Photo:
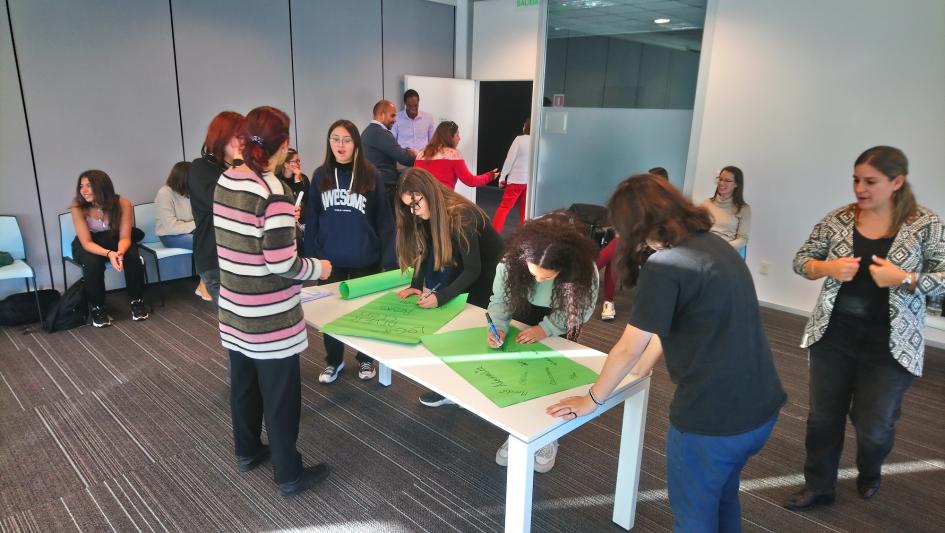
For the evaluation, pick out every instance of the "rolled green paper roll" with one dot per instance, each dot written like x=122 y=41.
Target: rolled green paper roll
x=354 y=288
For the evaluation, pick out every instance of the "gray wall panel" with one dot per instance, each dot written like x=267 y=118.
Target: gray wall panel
x=99 y=83
x=654 y=77
x=230 y=58
x=17 y=184
x=418 y=40
x=622 y=78
x=337 y=49
x=587 y=64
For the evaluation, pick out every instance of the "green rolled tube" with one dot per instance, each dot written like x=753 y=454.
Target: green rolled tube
x=354 y=288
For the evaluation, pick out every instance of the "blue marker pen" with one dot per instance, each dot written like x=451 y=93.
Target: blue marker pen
x=431 y=291
x=495 y=332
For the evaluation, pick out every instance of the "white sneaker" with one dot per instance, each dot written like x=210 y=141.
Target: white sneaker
x=366 y=371
x=544 y=457
x=608 y=312
x=331 y=373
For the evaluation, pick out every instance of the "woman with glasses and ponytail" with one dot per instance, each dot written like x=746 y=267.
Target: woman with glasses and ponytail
x=348 y=222
x=880 y=257
x=441 y=159
x=261 y=321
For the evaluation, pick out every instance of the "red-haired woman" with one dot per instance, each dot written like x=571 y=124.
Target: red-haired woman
x=220 y=151
x=261 y=322
x=696 y=304
x=102 y=222
x=443 y=160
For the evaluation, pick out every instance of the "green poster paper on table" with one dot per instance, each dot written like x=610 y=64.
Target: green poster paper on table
x=389 y=318
x=509 y=375
x=354 y=288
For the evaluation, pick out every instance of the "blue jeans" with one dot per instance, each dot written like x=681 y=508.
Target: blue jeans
x=185 y=240
x=703 y=474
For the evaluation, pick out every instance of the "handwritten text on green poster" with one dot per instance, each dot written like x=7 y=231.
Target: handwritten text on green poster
x=389 y=318
x=514 y=374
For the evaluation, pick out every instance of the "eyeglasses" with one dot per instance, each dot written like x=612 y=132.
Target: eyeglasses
x=415 y=202
x=724 y=180
x=294 y=161
x=340 y=140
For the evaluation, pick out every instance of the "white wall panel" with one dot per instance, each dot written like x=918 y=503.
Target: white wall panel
x=230 y=56
x=337 y=49
x=17 y=184
x=100 y=93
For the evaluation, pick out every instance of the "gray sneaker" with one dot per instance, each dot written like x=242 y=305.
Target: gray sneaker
x=330 y=373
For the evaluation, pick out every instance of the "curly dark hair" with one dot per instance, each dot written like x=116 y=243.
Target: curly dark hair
x=555 y=242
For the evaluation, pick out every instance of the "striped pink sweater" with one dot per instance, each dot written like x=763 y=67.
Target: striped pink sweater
x=260 y=314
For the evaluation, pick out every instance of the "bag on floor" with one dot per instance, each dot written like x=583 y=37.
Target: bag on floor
x=72 y=310
x=19 y=309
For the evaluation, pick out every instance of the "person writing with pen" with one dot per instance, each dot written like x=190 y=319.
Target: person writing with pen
x=548 y=280
x=449 y=243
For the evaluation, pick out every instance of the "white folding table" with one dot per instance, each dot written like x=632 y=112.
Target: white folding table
x=527 y=424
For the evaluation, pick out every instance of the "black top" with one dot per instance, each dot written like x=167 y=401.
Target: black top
x=861 y=297
x=297 y=187
x=201 y=181
x=700 y=299
x=474 y=270
x=381 y=149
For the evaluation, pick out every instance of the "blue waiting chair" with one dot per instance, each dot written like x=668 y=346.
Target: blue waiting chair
x=66 y=236
x=11 y=240
x=145 y=220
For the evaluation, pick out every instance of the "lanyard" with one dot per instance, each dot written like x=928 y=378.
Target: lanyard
x=338 y=186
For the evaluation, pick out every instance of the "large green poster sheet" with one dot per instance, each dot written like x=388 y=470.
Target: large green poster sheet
x=389 y=318
x=512 y=374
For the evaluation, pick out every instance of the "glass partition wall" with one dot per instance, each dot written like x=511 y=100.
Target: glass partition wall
x=618 y=85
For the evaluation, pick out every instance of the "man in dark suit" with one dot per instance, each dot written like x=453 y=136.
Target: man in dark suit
x=382 y=150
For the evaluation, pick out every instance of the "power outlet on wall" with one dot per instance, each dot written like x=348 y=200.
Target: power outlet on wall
x=763 y=268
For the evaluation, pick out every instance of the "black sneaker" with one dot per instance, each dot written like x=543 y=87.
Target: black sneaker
x=138 y=310
x=249 y=462
x=310 y=477
x=100 y=318
x=432 y=399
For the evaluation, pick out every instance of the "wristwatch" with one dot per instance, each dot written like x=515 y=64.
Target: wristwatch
x=906 y=281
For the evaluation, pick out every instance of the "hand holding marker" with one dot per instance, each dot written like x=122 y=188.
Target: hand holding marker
x=429 y=292
x=495 y=332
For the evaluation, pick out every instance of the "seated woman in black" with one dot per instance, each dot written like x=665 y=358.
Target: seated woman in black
x=102 y=222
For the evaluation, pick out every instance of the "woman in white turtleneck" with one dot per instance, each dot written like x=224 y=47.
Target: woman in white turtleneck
x=730 y=213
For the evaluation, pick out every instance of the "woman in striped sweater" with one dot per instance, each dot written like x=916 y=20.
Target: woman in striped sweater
x=261 y=322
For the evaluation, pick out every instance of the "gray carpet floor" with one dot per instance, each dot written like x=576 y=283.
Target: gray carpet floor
x=127 y=429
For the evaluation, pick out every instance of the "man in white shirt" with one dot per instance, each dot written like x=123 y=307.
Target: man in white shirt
x=413 y=128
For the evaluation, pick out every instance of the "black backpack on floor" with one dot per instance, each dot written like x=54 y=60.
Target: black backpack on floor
x=19 y=309
x=71 y=311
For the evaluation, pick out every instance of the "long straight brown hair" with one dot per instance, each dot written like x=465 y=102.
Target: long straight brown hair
x=892 y=163
x=449 y=214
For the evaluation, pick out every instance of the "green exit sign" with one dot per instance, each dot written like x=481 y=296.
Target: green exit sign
x=523 y=3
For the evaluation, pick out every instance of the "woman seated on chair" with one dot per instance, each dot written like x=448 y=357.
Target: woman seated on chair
x=102 y=222
x=443 y=160
x=730 y=214
x=174 y=223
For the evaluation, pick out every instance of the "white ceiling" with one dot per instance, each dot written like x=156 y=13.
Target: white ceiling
x=569 y=18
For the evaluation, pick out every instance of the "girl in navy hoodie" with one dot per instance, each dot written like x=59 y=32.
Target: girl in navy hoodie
x=348 y=222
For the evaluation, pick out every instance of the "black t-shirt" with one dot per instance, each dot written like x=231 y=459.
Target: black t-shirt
x=201 y=182
x=700 y=299
x=861 y=297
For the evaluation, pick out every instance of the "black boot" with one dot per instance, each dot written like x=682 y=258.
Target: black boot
x=309 y=478
x=867 y=487
x=249 y=462
x=805 y=499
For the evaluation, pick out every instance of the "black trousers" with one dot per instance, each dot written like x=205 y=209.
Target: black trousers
x=93 y=267
x=270 y=388
x=334 y=348
x=852 y=372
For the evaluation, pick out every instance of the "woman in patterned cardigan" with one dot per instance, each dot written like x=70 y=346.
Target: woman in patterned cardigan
x=881 y=256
